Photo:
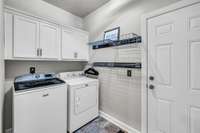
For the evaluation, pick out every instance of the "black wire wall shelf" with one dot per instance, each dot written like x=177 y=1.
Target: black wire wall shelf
x=126 y=39
x=136 y=65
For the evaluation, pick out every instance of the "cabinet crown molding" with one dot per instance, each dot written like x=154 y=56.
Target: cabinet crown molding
x=47 y=19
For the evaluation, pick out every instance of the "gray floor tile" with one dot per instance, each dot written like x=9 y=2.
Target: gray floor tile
x=99 y=125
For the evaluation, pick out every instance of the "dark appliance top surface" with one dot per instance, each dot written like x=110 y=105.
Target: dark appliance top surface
x=33 y=81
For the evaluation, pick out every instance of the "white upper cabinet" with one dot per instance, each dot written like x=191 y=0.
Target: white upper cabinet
x=33 y=38
x=8 y=26
x=82 y=46
x=25 y=37
x=74 y=45
x=68 y=46
x=49 y=41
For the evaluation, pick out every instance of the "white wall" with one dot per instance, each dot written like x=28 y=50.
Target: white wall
x=17 y=68
x=123 y=13
x=44 y=9
x=1 y=65
x=120 y=96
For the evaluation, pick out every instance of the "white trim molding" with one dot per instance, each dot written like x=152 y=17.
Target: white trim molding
x=144 y=33
x=118 y=123
x=13 y=10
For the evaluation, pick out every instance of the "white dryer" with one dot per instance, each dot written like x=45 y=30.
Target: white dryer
x=83 y=99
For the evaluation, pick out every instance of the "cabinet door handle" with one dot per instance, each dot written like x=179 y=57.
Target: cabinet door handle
x=86 y=85
x=75 y=55
x=45 y=95
x=38 y=54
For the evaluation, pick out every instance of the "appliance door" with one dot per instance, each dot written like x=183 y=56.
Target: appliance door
x=83 y=104
x=85 y=98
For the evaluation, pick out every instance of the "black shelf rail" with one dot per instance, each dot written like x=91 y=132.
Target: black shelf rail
x=136 y=65
x=124 y=41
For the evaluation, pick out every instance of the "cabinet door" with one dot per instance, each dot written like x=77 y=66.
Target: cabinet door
x=49 y=42
x=74 y=45
x=82 y=46
x=69 y=50
x=25 y=37
x=8 y=24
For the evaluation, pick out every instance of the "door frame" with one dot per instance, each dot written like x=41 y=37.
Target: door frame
x=144 y=33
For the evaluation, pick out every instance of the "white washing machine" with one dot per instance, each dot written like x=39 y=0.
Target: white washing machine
x=83 y=99
x=39 y=104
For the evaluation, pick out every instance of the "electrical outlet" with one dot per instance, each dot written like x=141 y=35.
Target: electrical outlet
x=32 y=70
x=129 y=73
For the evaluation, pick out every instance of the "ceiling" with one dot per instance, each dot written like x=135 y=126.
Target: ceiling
x=79 y=8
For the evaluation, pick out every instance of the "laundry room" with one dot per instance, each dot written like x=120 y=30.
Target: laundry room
x=99 y=66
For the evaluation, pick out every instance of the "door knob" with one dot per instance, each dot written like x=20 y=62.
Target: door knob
x=151 y=78
x=152 y=87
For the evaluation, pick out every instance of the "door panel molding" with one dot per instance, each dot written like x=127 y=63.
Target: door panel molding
x=164 y=29
x=164 y=125
x=193 y=119
x=194 y=65
x=166 y=74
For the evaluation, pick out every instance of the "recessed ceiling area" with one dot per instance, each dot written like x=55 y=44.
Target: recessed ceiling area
x=79 y=8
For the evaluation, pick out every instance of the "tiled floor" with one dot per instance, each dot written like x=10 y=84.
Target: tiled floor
x=100 y=125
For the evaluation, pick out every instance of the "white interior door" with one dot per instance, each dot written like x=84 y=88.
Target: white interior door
x=174 y=64
x=25 y=37
x=49 y=42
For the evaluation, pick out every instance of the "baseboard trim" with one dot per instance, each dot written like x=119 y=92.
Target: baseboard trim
x=118 y=123
x=8 y=130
